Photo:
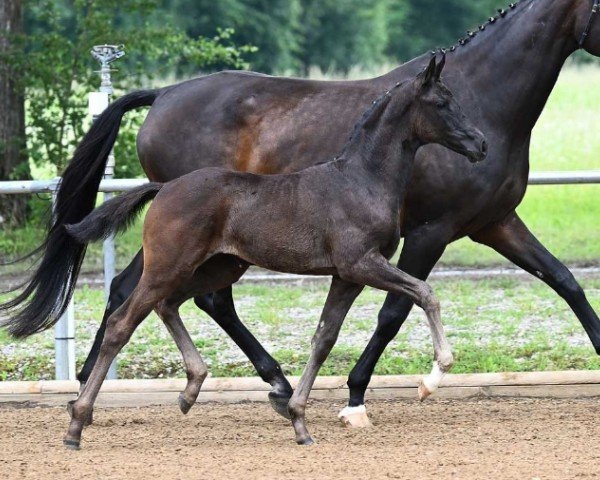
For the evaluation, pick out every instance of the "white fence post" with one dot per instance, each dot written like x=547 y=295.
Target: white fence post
x=64 y=332
x=106 y=54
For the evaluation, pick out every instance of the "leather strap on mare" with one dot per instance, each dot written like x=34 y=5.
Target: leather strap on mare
x=586 y=32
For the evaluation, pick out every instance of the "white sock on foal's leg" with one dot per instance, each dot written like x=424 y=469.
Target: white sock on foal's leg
x=431 y=382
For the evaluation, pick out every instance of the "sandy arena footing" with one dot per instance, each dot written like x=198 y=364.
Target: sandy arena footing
x=477 y=438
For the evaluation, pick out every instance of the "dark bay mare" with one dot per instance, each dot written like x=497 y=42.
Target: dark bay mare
x=337 y=218
x=502 y=76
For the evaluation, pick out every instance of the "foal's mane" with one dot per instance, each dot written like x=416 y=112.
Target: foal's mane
x=371 y=114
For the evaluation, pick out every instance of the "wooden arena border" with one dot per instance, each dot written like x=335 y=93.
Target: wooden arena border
x=115 y=393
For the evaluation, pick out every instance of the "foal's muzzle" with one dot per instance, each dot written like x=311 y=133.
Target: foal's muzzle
x=480 y=154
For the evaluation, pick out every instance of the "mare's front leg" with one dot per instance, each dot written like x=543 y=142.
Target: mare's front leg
x=339 y=300
x=374 y=270
x=221 y=308
x=196 y=370
x=512 y=239
x=421 y=250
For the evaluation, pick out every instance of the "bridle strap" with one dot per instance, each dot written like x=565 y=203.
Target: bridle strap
x=586 y=32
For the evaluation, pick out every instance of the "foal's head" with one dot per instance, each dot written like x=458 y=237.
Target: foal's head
x=436 y=116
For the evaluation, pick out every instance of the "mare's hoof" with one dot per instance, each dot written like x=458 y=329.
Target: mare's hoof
x=280 y=405
x=88 y=421
x=71 y=444
x=424 y=392
x=354 y=417
x=306 y=441
x=184 y=405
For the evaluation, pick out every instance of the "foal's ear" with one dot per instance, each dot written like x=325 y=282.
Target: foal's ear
x=440 y=67
x=429 y=74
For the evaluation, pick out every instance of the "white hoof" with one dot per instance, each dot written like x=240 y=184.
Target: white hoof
x=355 y=417
x=431 y=382
x=424 y=392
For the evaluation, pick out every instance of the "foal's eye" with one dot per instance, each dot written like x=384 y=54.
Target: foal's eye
x=441 y=104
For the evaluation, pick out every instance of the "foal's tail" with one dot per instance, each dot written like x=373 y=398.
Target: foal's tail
x=114 y=216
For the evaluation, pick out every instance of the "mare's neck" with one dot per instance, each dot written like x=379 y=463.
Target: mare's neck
x=512 y=66
x=506 y=73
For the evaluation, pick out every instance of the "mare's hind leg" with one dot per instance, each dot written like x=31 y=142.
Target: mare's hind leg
x=339 y=300
x=221 y=308
x=195 y=367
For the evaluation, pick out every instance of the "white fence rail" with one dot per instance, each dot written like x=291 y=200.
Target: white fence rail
x=121 y=185
x=65 y=328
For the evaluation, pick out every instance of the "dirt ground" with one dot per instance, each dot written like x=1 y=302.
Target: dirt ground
x=479 y=439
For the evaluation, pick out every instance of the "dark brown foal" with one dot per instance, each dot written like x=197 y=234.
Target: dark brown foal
x=339 y=218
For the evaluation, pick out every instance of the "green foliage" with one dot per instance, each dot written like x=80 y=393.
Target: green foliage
x=339 y=34
x=273 y=26
x=58 y=67
x=419 y=25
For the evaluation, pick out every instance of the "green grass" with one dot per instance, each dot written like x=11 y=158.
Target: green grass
x=565 y=218
x=493 y=325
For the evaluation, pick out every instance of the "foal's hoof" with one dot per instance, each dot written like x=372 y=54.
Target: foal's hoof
x=184 y=405
x=71 y=444
x=280 y=404
x=354 y=417
x=305 y=441
x=88 y=421
x=424 y=392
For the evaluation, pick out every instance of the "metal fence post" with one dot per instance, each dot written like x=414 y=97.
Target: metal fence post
x=64 y=332
x=106 y=54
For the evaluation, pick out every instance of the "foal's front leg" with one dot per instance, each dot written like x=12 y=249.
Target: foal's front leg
x=339 y=300
x=374 y=270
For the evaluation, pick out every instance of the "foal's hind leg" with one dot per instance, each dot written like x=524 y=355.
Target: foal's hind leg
x=339 y=300
x=195 y=367
x=120 y=327
x=374 y=270
x=120 y=289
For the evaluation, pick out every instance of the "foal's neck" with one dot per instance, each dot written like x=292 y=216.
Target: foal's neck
x=382 y=154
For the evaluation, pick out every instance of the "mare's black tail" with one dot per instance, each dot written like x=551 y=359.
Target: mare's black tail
x=47 y=293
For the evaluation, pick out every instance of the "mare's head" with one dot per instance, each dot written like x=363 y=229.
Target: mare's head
x=586 y=25
x=436 y=116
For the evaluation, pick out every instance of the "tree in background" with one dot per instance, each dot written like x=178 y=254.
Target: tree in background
x=60 y=70
x=273 y=26
x=293 y=35
x=340 y=34
x=416 y=26
x=13 y=160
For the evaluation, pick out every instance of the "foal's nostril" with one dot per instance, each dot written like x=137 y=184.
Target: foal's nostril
x=484 y=147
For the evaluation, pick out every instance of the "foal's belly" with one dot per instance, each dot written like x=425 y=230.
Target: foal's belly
x=284 y=251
